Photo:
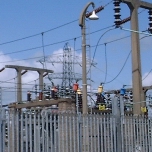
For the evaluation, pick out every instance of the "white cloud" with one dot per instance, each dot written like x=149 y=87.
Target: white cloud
x=147 y=79
x=8 y=88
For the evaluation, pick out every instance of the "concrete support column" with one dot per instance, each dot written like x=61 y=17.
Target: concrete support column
x=40 y=79
x=19 y=85
x=67 y=106
x=12 y=131
x=136 y=65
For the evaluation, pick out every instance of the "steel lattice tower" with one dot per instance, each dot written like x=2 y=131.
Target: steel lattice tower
x=67 y=80
x=68 y=60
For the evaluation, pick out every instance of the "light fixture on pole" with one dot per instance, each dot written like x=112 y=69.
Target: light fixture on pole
x=93 y=16
x=83 y=33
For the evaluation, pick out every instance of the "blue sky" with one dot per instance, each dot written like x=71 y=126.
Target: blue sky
x=20 y=19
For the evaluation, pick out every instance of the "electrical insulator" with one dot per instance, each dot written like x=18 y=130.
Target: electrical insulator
x=125 y=96
x=108 y=97
x=55 y=93
x=28 y=96
x=67 y=91
x=100 y=89
x=52 y=93
x=47 y=95
x=75 y=86
x=80 y=100
x=40 y=95
x=98 y=99
x=131 y=96
x=44 y=86
x=117 y=13
x=79 y=91
x=150 y=20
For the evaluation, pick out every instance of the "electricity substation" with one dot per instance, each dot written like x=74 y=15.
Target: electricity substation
x=68 y=116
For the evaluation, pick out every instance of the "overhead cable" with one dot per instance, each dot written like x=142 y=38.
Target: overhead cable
x=38 y=33
x=120 y=70
x=62 y=41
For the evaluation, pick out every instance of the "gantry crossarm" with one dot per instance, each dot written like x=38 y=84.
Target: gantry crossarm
x=141 y=4
x=28 y=68
x=145 y=5
x=59 y=59
x=19 y=74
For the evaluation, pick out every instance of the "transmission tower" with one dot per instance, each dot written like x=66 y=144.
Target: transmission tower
x=68 y=60
x=68 y=75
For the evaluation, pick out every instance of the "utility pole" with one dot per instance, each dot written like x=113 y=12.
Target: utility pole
x=138 y=94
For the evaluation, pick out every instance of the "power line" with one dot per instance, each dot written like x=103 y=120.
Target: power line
x=62 y=41
x=15 y=83
x=107 y=74
x=40 y=46
x=97 y=46
x=23 y=59
x=146 y=75
x=38 y=33
x=34 y=35
x=108 y=42
x=120 y=70
x=105 y=62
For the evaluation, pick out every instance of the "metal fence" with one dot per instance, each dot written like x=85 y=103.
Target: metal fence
x=36 y=131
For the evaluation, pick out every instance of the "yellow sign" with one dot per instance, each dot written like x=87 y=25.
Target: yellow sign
x=143 y=109
x=102 y=107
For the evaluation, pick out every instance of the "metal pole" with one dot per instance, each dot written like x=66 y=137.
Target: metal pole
x=84 y=81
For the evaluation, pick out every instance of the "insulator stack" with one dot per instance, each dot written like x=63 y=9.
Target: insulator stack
x=117 y=13
x=80 y=100
x=40 y=95
x=28 y=96
x=131 y=96
x=150 y=20
x=47 y=94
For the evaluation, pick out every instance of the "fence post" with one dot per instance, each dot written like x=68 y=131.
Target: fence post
x=2 y=130
x=116 y=114
x=122 y=121
x=1 y=133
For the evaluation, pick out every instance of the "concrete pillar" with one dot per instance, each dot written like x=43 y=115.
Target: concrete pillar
x=64 y=120
x=19 y=85
x=12 y=131
x=136 y=61
x=40 y=79
x=67 y=106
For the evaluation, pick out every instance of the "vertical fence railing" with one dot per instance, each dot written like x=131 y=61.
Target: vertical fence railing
x=34 y=131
